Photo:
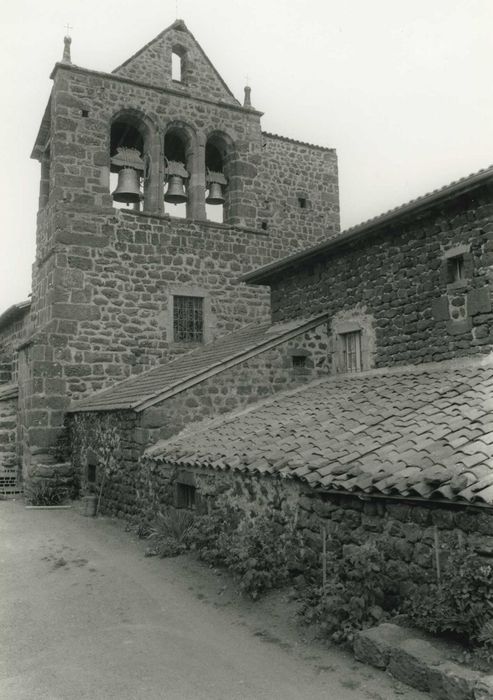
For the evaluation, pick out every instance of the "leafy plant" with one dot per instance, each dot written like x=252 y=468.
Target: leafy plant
x=171 y=533
x=353 y=597
x=46 y=493
x=461 y=604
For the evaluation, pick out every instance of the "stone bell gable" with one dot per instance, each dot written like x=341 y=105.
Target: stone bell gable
x=176 y=48
x=158 y=190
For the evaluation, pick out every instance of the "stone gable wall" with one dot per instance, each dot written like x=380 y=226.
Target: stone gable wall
x=398 y=282
x=153 y=66
x=232 y=389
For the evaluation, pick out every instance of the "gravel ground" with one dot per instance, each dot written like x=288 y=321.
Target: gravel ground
x=83 y=614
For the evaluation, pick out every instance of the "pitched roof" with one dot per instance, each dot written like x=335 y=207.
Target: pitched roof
x=164 y=381
x=411 y=208
x=417 y=432
x=8 y=391
x=14 y=312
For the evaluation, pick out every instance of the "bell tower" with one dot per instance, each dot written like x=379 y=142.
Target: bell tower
x=158 y=190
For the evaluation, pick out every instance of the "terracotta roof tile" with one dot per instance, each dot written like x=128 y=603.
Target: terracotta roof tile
x=421 y=431
x=165 y=380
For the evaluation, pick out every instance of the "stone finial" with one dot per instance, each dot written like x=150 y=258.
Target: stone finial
x=247 y=101
x=67 y=40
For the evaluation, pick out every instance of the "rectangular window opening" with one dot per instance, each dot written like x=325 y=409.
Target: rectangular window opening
x=299 y=361
x=185 y=496
x=188 y=319
x=351 y=351
x=302 y=202
x=455 y=269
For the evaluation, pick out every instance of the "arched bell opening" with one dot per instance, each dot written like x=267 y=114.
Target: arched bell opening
x=128 y=162
x=219 y=160
x=177 y=169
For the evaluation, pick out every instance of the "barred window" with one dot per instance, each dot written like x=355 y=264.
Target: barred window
x=351 y=351
x=188 y=319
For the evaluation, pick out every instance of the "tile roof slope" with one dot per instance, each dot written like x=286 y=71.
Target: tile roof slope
x=421 y=432
x=135 y=391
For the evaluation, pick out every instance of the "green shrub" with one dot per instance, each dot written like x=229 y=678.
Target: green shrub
x=46 y=493
x=171 y=532
x=461 y=604
x=354 y=596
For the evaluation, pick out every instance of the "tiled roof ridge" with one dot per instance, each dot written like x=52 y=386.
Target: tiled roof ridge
x=422 y=199
x=285 y=330
x=423 y=368
x=365 y=227
x=301 y=143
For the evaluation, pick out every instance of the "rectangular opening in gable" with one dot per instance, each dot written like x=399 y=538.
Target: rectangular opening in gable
x=455 y=269
x=176 y=67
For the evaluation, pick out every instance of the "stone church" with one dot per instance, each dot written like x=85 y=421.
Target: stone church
x=158 y=191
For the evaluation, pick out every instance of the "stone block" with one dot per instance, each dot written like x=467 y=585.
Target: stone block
x=410 y=662
x=479 y=301
x=450 y=681
x=374 y=646
x=459 y=327
x=483 y=690
x=440 y=309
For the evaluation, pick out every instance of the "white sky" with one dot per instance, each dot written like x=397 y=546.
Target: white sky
x=402 y=88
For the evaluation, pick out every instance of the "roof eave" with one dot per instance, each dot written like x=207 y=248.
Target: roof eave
x=355 y=233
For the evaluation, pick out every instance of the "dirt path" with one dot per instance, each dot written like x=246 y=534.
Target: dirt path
x=83 y=614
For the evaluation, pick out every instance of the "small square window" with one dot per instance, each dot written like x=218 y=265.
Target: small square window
x=188 y=319
x=302 y=202
x=185 y=496
x=455 y=269
x=351 y=351
x=85 y=112
x=299 y=361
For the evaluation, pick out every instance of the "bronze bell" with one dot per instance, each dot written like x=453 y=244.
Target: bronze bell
x=127 y=189
x=215 y=195
x=175 y=193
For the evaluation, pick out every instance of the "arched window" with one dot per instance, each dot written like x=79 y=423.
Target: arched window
x=127 y=162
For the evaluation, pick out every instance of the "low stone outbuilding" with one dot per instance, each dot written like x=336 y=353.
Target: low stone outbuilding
x=240 y=368
x=399 y=456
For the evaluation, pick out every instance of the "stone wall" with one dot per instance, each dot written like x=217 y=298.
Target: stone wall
x=8 y=444
x=404 y=532
x=397 y=280
x=232 y=389
x=301 y=189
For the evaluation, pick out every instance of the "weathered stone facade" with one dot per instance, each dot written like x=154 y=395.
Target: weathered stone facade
x=396 y=278
x=8 y=440
x=230 y=390
x=104 y=278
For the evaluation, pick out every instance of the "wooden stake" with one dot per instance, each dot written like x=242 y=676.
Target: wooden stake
x=437 y=552
x=324 y=558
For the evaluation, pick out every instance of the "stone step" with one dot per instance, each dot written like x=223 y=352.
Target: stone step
x=421 y=662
